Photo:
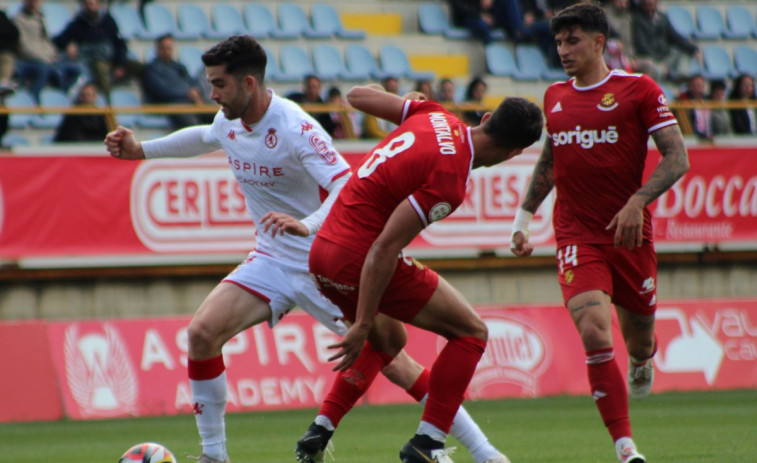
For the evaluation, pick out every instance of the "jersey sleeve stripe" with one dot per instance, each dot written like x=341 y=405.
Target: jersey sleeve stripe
x=661 y=125
x=418 y=210
x=341 y=174
x=405 y=109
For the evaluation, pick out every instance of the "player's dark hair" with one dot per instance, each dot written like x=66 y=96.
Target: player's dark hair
x=516 y=123
x=588 y=15
x=240 y=54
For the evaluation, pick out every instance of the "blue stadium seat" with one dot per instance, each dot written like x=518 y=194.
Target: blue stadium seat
x=261 y=24
x=500 y=61
x=325 y=19
x=531 y=62
x=11 y=140
x=294 y=63
x=717 y=63
x=329 y=65
x=358 y=58
x=20 y=99
x=129 y=22
x=740 y=23
x=193 y=20
x=227 y=19
x=191 y=57
x=433 y=20
x=394 y=62
x=50 y=98
x=159 y=20
x=292 y=19
x=745 y=60
x=56 y=17
x=682 y=21
x=710 y=22
x=123 y=98
x=272 y=71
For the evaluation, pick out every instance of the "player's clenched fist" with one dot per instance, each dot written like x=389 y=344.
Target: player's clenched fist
x=121 y=144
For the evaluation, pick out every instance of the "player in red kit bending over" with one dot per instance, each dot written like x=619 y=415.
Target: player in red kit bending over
x=598 y=125
x=415 y=176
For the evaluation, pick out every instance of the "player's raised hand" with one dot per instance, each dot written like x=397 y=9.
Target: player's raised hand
x=122 y=144
x=520 y=246
x=279 y=223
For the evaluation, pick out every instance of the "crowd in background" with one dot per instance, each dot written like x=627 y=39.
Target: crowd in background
x=89 y=51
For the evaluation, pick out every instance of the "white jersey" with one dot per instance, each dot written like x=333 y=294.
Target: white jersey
x=281 y=163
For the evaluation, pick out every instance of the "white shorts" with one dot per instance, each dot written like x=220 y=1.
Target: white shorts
x=286 y=285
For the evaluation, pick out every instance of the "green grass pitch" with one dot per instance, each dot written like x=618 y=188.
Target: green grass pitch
x=691 y=427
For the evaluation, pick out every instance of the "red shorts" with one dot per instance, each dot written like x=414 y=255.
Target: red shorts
x=629 y=277
x=336 y=271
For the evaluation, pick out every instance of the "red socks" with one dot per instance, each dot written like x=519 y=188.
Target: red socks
x=450 y=376
x=420 y=387
x=609 y=391
x=350 y=385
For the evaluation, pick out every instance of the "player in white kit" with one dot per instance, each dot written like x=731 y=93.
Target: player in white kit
x=282 y=160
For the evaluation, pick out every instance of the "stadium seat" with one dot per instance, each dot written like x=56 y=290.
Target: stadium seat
x=129 y=22
x=20 y=99
x=329 y=65
x=500 y=61
x=193 y=20
x=191 y=57
x=11 y=140
x=325 y=19
x=682 y=21
x=433 y=20
x=227 y=19
x=294 y=63
x=394 y=62
x=159 y=20
x=123 y=98
x=56 y=17
x=261 y=24
x=531 y=62
x=710 y=22
x=717 y=63
x=292 y=19
x=50 y=98
x=740 y=23
x=358 y=58
x=745 y=60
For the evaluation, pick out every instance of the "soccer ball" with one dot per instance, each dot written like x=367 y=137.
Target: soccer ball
x=147 y=452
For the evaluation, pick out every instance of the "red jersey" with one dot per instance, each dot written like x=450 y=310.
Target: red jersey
x=427 y=159
x=599 y=137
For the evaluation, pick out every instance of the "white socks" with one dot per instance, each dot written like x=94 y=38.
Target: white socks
x=209 y=398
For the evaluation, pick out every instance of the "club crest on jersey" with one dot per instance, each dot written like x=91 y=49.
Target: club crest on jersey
x=271 y=140
x=608 y=103
x=322 y=149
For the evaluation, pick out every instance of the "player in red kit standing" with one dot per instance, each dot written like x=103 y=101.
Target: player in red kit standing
x=598 y=126
x=417 y=175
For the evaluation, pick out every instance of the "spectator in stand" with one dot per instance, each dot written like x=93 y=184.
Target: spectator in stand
x=474 y=94
x=535 y=27
x=654 y=38
x=425 y=87
x=92 y=37
x=700 y=118
x=39 y=61
x=335 y=98
x=8 y=41
x=743 y=120
x=480 y=17
x=619 y=53
x=167 y=81
x=374 y=127
x=83 y=127
x=446 y=91
x=311 y=94
x=721 y=123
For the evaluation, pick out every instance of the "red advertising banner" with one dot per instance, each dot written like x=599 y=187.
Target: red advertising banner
x=118 y=368
x=79 y=207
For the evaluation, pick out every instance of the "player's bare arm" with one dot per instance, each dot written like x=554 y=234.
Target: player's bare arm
x=374 y=100
x=403 y=225
x=542 y=182
x=629 y=221
x=121 y=144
